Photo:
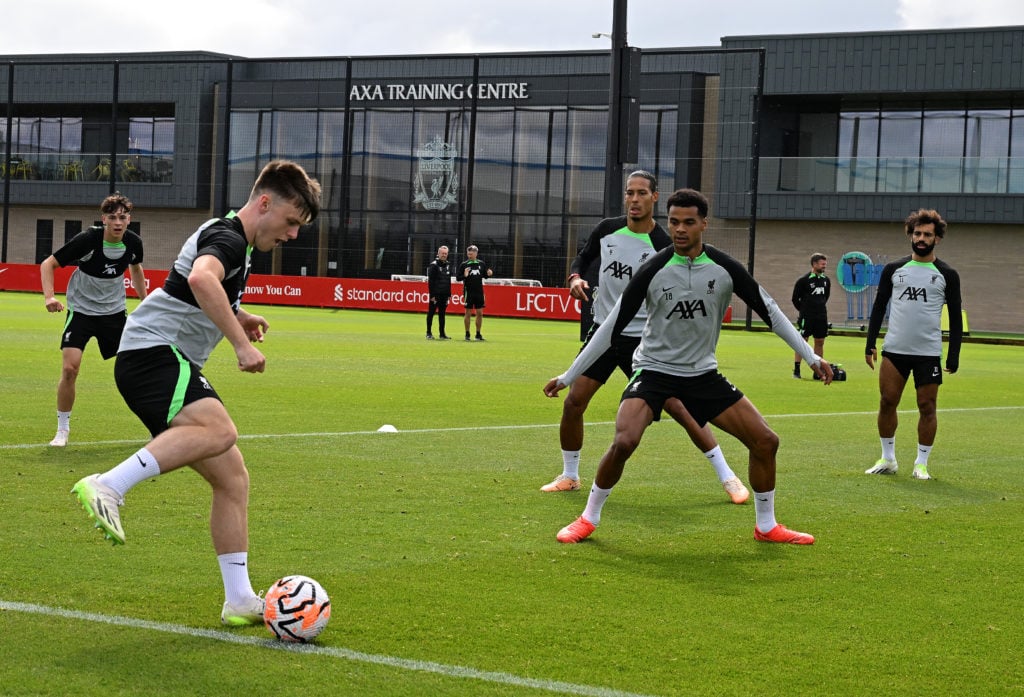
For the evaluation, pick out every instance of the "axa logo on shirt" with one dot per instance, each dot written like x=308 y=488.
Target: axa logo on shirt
x=915 y=295
x=688 y=309
x=619 y=270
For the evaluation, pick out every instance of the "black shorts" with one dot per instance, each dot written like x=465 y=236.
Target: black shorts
x=79 y=328
x=704 y=396
x=157 y=383
x=927 y=370
x=814 y=326
x=619 y=355
x=474 y=300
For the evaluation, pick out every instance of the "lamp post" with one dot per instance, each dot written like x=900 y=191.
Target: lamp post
x=622 y=137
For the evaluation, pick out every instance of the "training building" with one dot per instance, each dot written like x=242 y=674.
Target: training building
x=803 y=143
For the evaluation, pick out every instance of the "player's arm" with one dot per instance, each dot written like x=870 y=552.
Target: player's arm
x=882 y=296
x=954 y=308
x=255 y=326
x=46 y=275
x=138 y=280
x=77 y=247
x=599 y=342
x=798 y=293
x=205 y=282
x=578 y=285
x=618 y=318
x=431 y=275
x=758 y=299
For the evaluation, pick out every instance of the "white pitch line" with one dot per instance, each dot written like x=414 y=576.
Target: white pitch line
x=333 y=652
x=341 y=434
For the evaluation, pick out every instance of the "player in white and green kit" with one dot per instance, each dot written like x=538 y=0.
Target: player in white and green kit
x=686 y=290
x=620 y=246
x=95 y=295
x=916 y=287
x=158 y=372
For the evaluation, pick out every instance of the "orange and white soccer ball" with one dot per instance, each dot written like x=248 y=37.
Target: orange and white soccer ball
x=297 y=609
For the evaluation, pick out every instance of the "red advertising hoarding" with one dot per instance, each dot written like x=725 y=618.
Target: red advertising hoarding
x=350 y=293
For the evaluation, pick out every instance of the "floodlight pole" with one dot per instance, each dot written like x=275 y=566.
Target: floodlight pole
x=7 y=161
x=612 y=160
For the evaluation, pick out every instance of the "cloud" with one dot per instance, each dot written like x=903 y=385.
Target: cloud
x=943 y=14
x=296 y=28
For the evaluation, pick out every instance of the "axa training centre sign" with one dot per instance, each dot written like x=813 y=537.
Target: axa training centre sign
x=439 y=91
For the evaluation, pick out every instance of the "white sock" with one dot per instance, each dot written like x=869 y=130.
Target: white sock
x=717 y=460
x=595 y=502
x=63 y=420
x=234 y=570
x=923 y=451
x=889 y=448
x=571 y=463
x=137 y=468
x=764 y=509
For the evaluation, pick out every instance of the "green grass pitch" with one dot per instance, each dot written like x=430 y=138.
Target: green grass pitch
x=438 y=550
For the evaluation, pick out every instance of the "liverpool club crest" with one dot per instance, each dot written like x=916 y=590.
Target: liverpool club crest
x=437 y=183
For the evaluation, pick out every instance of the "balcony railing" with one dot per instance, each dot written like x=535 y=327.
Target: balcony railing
x=87 y=167
x=955 y=175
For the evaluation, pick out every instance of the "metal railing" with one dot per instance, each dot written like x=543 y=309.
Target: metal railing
x=82 y=167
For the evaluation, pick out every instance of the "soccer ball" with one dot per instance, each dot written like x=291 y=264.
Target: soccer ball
x=297 y=609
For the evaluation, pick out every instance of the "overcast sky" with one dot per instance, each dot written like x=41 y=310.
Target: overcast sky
x=287 y=28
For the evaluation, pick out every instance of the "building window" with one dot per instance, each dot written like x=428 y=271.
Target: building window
x=44 y=239
x=976 y=151
x=150 y=149
x=78 y=148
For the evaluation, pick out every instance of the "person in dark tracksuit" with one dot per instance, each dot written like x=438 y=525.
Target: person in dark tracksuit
x=810 y=298
x=439 y=287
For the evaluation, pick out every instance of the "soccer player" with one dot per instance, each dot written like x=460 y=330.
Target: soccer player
x=473 y=271
x=158 y=371
x=917 y=286
x=95 y=295
x=810 y=297
x=622 y=245
x=686 y=289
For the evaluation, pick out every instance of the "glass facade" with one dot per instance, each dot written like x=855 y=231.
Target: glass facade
x=963 y=150
x=78 y=148
x=525 y=184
